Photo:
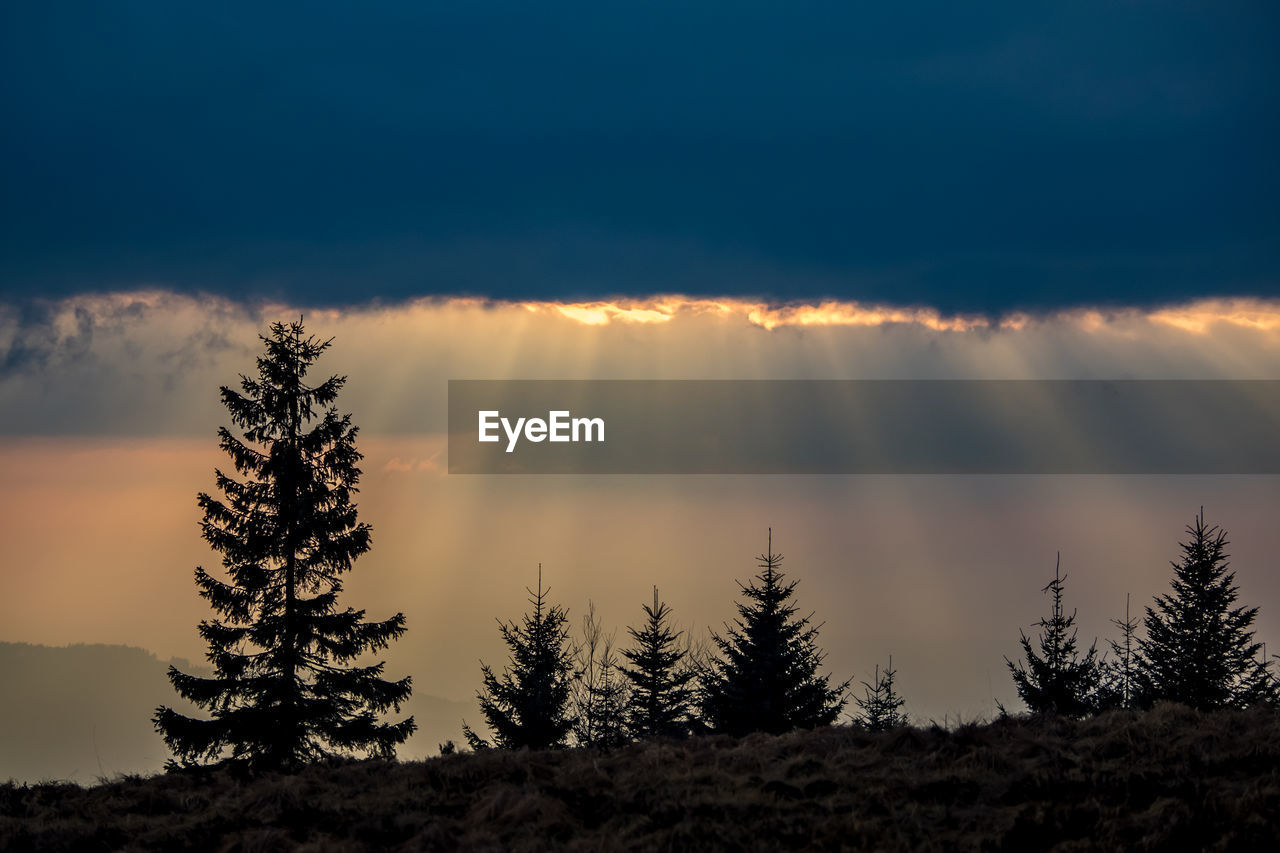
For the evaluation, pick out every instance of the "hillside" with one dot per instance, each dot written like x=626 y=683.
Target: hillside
x=80 y=712
x=77 y=713
x=1169 y=779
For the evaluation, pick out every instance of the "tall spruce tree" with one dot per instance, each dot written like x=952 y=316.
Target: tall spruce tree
x=661 y=680
x=1198 y=649
x=528 y=706
x=285 y=688
x=880 y=704
x=766 y=678
x=1058 y=679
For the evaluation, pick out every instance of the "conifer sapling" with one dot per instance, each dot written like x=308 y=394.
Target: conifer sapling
x=766 y=677
x=1058 y=679
x=661 y=679
x=529 y=704
x=1198 y=649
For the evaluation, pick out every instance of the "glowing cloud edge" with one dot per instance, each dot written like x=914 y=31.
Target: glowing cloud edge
x=1196 y=317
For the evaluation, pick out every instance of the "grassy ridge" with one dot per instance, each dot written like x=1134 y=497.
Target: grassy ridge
x=1169 y=779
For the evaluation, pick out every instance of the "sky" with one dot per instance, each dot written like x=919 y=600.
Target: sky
x=652 y=190
x=108 y=431
x=990 y=158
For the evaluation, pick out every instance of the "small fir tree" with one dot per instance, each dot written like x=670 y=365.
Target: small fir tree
x=285 y=690
x=1121 y=676
x=880 y=704
x=766 y=676
x=599 y=690
x=1268 y=689
x=1198 y=648
x=659 y=675
x=1058 y=679
x=528 y=706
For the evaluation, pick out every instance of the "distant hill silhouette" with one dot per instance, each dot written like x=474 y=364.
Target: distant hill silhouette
x=84 y=711
x=79 y=712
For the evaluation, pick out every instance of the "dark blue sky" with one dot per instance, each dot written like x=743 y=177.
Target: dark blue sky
x=976 y=157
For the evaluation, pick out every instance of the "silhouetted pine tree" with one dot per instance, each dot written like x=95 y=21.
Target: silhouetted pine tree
x=1121 y=676
x=604 y=723
x=881 y=705
x=1057 y=680
x=599 y=691
x=284 y=689
x=529 y=705
x=766 y=677
x=661 y=689
x=1268 y=689
x=1198 y=649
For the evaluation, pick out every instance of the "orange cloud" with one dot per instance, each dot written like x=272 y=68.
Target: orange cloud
x=663 y=309
x=856 y=314
x=405 y=464
x=1196 y=317
x=658 y=310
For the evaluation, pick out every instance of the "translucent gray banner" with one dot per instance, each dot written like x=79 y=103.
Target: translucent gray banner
x=864 y=427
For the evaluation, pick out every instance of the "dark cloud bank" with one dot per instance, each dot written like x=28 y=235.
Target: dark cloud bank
x=1013 y=156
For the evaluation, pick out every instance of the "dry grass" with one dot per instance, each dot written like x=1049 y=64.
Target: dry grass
x=1168 y=779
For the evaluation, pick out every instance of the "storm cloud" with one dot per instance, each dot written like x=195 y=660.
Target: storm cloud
x=928 y=153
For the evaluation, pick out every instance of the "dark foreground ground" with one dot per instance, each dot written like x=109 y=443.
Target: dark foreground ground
x=1168 y=779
